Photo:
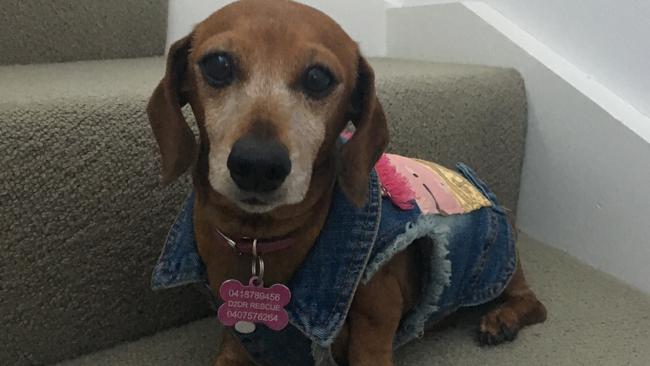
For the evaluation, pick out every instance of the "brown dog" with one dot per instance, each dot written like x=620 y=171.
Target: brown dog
x=272 y=85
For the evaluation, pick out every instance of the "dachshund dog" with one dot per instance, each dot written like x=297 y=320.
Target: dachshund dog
x=272 y=85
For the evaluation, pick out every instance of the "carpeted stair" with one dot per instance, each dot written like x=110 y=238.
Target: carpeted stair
x=40 y=31
x=84 y=216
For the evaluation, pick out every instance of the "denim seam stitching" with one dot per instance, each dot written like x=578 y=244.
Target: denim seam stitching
x=376 y=203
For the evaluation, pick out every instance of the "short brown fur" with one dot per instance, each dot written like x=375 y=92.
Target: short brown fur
x=277 y=34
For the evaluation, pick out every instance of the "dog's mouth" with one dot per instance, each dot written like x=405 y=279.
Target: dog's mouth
x=257 y=202
x=254 y=201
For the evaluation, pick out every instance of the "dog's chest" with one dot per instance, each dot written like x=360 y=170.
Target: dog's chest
x=470 y=262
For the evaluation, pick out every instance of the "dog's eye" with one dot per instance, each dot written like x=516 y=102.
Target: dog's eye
x=317 y=81
x=218 y=69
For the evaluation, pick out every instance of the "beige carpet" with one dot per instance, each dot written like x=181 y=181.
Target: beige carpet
x=593 y=320
x=41 y=31
x=84 y=216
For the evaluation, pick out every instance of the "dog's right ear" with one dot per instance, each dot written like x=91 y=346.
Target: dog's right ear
x=360 y=154
x=175 y=138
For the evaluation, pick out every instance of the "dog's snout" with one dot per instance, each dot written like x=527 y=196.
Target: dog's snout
x=257 y=165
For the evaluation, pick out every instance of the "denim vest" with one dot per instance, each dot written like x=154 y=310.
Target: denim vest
x=470 y=262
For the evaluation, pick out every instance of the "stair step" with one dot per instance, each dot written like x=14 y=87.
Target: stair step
x=43 y=31
x=84 y=216
x=593 y=320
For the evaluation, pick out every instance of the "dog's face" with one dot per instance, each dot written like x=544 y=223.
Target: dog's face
x=269 y=87
x=272 y=84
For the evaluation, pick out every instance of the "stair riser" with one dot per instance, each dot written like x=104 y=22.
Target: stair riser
x=43 y=31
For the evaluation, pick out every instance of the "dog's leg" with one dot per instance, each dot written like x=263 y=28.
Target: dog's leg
x=518 y=309
x=375 y=315
x=232 y=353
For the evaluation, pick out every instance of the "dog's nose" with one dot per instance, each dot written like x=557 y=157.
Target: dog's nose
x=258 y=166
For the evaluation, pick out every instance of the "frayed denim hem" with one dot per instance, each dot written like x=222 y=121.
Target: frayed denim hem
x=439 y=272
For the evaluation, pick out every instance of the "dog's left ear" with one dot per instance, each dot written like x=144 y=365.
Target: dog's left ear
x=361 y=152
x=174 y=136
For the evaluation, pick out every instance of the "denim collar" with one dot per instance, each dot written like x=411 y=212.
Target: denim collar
x=322 y=289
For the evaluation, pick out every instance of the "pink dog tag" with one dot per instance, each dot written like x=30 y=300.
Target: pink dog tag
x=245 y=306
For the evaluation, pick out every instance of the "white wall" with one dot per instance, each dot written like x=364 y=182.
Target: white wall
x=585 y=181
x=609 y=40
x=364 y=20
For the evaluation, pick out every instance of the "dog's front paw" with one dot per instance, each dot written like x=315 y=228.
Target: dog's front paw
x=499 y=326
